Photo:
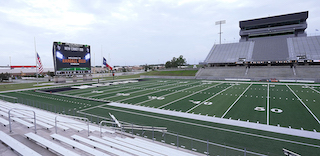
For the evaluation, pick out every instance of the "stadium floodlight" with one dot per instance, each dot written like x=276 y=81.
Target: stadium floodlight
x=87 y=57
x=59 y=55
x=219 y=23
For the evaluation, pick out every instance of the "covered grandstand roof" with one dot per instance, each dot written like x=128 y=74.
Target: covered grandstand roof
x=266 y=21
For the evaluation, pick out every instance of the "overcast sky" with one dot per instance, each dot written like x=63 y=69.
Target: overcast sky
x=132 y=32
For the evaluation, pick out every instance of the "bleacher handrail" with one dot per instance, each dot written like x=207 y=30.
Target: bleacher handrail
x=34 y=114
x=101 y=124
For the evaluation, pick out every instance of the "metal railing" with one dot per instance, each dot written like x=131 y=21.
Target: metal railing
x=198 y=145
x=34 y=117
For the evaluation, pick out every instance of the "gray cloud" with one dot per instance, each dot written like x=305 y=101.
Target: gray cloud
x=131 y=33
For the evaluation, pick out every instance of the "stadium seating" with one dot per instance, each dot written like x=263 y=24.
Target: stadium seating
x=119 y=146
x=226 y=53
x=4 y=122
x=16 y=145
x=50 y=145
x=77 y=145
x=100 y=146
x=42 y=145
x=270 y=49
x=304 y=46
x=128 y=145
x=153 y=146
x=261 y=72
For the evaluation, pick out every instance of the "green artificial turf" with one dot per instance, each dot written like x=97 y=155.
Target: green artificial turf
x=229 y=100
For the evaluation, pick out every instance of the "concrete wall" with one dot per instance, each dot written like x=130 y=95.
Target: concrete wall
x=257 y=73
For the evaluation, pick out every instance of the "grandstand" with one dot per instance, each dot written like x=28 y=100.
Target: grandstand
x=274 y=47
x=57 y=134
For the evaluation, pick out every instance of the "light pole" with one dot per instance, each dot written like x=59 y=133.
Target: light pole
x=219 y=23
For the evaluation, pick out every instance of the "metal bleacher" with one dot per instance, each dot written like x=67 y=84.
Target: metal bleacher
x=304 y=46
x=153 y=146
x=270 y=49
x=16 y=145
x=69 y=141
x=100 y=146
x=50 y=145
x=128 y=145
x=77 y=145
x=132 y=150
x=225 y=53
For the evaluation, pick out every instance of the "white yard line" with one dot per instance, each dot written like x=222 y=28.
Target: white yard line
x=117 y=90
x=268 y=105
x=116 y=87
x=188 y=96
x=314 y=90
x=121 y=87
x=208 y=99
x=315 y=117
x=93 y=107
x=154 y=91
x=225 y=113
x=138 y=91
x=168 y=94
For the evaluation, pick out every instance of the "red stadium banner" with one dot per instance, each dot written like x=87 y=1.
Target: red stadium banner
x=12 y=67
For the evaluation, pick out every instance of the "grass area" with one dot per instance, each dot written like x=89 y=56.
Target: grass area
x=172 y=73
x=189 y=96
x=14 y=86
x=120 y=77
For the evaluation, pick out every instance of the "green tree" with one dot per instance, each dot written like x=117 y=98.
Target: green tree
x=124 y=69
x=4 y=76
x=168 y=64
x=175 y=62
x=181 y=61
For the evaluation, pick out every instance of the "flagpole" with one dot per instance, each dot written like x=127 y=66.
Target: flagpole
x=35 y=50
x=102 y=61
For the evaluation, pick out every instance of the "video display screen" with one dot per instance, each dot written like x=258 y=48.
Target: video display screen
x=70 y=58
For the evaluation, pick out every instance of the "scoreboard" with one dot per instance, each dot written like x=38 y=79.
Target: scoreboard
x=71 y=59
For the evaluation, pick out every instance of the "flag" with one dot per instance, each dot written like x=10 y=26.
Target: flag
x=106 y=64
x=40 y=68
x=104 y=61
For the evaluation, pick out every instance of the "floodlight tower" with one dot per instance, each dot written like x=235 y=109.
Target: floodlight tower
x=219 y=23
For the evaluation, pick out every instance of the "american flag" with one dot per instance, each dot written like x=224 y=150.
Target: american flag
x=40 y=68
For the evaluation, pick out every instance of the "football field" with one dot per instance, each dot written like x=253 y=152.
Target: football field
x=180 y=105
x=272 y=104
